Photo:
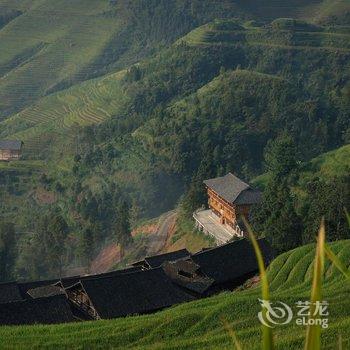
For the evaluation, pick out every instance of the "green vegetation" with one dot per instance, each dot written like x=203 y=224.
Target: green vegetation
x=154 y=113
x=318 y=188
x=197 y=324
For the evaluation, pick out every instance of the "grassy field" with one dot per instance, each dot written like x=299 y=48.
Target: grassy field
x=277 y=35
x=328 y=165
x=51 y=44
x=198 y=325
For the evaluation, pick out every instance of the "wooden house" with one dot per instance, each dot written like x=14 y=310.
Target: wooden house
x=126 y=294
x=175 y=278
x=10 y=150
x=229 y=198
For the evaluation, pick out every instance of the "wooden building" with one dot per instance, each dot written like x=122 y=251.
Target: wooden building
x=180 y=277
x=229 y=198
x=10 y=150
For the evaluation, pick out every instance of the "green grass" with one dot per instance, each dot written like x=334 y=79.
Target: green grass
x=328 y=165
x=198 y=324
x=50 y=44
x=305 y=37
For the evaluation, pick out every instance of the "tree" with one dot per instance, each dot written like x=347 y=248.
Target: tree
x=327 y=199
x=196 y=194
x=276 y=216
x=7 y=250
x=122 y=225
x=86 y=246
x=281 y=157
x=57 y=230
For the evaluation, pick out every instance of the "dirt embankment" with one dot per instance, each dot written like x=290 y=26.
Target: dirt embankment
x=158 y=234
x=106 y=259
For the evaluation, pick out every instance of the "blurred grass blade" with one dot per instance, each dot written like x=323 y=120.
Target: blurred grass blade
x=336 y=261
x=347 y=215
x=340 y=342
x=231 y=333
x=267 y=341
x=313 y=332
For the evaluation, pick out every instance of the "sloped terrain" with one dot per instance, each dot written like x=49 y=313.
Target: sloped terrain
x=198 y=324
x=47 y=46
x=58 y=114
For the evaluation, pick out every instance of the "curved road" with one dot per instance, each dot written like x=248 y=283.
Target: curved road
x=157 y=241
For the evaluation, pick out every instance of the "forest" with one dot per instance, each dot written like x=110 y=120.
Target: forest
x=259 y=98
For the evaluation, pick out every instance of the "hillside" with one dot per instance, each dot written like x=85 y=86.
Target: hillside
x=198 y=324
x=49 y=45
x=164 y=94
x=326 y=166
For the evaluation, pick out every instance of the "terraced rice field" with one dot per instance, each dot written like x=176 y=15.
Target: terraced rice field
x=198 y=324
x=325 y=39
x=57 y=115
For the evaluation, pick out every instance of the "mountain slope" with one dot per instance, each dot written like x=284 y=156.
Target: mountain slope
x=48 y=45
x=198 y=324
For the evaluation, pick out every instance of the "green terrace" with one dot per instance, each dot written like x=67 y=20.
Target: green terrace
x=281 y=32
x=199 y=324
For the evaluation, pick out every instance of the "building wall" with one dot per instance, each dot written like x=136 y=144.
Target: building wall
x=228 y=213
x=9 y=154
x=224 y=210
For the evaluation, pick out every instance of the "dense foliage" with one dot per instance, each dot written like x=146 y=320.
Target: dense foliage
x=208 y=104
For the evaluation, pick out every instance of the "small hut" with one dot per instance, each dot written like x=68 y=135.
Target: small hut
x=10 y=150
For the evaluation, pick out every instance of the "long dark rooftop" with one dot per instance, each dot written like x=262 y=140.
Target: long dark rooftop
x=43 y=310
x=9 y=292
x=133 y=293
x=231 y=260
x=157 y=260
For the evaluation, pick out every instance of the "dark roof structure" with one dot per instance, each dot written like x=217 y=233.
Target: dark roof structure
x=186 y=274
x=13 y=145
x=42 y=311
x=233 y=190
x=232 y=260
x=24 y=287
x=45 y=291
x=158 y=260
x=10 y=292
x=134 y=293
x=70 y=281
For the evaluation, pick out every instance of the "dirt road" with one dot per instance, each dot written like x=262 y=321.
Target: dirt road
x=158 y=240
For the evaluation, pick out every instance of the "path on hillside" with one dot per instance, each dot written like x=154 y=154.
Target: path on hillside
x=111 y=255
x=157 y=241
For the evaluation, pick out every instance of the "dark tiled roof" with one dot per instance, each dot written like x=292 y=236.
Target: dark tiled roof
x=70 y=281
x=45 y=291
x=231 y=260
x=249 y=196
x=186 y=274
x=26 y=286
x=9 y=292
x=233 y=190
x=157 y=260
x=43 y=310
x=13 y=145
x=133 y=293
